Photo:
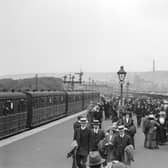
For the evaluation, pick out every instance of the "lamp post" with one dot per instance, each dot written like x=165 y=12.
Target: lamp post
x=121 y=75
x=92 y=84
x=89 y=83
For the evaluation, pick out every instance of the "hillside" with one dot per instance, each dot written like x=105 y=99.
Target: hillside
x=152 y=81
x=44 y=83
x=158 y=76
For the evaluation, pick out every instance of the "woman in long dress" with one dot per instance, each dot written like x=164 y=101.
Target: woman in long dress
x=152 y=133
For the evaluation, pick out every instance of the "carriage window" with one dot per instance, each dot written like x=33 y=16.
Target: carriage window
x=41 y=101
x=58 y=100
x=21 y=106
x=2 y=106
x=50 y=100
x=55 y=100
x=71 y=98
x=46 y=101
x=36 y=102
x=10 y=104
x=6 y=109
x=74 y=98
x=33 y=103
x=9 y=107
x=61 y=99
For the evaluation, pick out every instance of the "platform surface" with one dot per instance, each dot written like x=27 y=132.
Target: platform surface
x=48 y=149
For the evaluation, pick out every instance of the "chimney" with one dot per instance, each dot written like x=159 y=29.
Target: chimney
x=153 y=65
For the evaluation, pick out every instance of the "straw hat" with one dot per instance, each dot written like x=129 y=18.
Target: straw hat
x=121 y=128
x=95 y=122
x=151 y=116
x=83 y=120
x=162 y=113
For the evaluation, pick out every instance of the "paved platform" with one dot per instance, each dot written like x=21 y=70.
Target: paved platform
x=48 y=149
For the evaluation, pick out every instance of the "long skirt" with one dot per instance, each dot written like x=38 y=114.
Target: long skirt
x=151 y=141
x=162 y=135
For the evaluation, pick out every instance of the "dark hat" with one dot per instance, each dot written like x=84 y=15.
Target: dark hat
x=83 y=120
x=96 y=122
x=94 y=159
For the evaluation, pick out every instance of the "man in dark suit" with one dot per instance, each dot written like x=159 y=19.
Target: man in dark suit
x=77 y=124
x=82 y=137
x=139 y=114
x=120 y=142
x=98 y=114
x=96 y=135
x=127 y=120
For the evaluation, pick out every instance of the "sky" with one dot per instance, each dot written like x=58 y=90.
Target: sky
x=48 y=36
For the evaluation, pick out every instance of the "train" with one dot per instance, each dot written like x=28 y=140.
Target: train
x=21 y=111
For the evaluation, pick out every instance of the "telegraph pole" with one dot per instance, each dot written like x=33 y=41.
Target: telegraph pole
x=72 y=80
x=72 y=84
x=153 y=65
x=89 y=82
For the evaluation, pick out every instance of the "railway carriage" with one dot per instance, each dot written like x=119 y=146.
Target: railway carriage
x=13 y=113
x=88 y=97
x=45 y=106
x=20 y=111
x=74 y=102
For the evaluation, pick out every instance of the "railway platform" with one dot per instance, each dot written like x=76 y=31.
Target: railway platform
x=47 y=146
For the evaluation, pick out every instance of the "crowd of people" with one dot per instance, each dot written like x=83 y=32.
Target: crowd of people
x=95 y=147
